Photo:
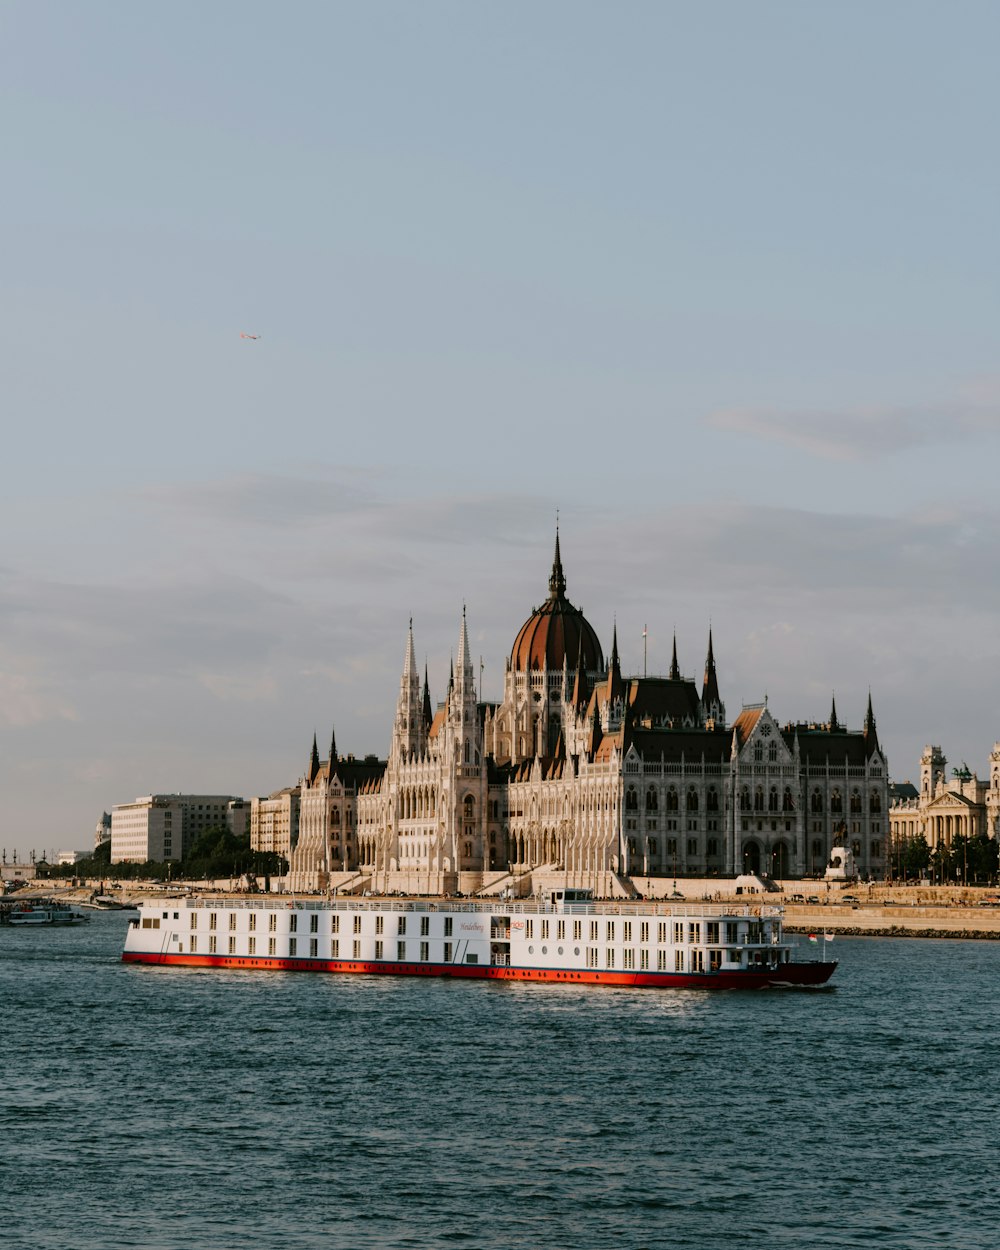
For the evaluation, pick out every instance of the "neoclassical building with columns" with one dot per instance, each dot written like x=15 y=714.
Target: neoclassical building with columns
x=587 y=774
x=944 y=808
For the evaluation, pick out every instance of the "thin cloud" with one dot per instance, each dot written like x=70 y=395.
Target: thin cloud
x=863 y=433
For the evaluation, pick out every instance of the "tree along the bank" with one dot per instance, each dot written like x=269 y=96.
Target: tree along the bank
x=216 y=853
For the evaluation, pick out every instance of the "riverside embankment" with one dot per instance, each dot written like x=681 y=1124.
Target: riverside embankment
x=878 y=920
x=867 y=911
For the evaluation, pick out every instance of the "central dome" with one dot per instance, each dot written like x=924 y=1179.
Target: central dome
x=556 y=633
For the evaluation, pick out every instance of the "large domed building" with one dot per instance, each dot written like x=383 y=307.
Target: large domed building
x=554 y=647
x=585 y=777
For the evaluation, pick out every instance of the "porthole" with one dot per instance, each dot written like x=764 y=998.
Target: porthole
x=576 y=950
x=560 y=950
x=531 y=950
x=545 y=950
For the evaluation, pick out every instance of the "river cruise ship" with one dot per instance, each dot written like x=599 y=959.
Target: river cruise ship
x=566 y=937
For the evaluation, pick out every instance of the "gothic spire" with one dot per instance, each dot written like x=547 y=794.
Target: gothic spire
x=314 y=760
x=557 y=579
x=333 y=750
x=580 y=688
x=410 y=661
x=710 y=686
x=428 y=713
x=834 y=726
x=615 y=672
x=675 y=671
x=871 y=736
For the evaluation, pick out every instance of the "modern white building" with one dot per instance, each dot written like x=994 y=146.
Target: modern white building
x=162 y=827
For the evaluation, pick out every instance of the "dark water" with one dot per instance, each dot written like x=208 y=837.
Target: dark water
x=200 y=1110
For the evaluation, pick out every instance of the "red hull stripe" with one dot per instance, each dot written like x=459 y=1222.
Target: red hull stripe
x=752 y=978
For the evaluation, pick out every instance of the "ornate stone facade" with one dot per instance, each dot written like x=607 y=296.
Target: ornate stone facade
x=599 y=778
x=948 y=807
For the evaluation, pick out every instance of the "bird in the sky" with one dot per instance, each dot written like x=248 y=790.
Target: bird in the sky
x=249 y=336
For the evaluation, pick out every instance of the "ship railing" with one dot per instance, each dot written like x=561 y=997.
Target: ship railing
x=724 y=909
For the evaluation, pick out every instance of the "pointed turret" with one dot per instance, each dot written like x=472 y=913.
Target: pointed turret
x=313 y=762
x=871 y=735
x=710 y=686
x=581 y=687
x=428 y=710
x=834 y=725
x=557 y=580
x=675 y=672
x=409 y=732
x=615 y=684
x=332 y=761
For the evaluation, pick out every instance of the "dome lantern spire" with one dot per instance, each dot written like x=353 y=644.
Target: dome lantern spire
x=557 y=579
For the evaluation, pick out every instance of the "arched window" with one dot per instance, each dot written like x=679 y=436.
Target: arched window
x=855 y=801
x=692 y=800
x=744 y=800
x=875 y=803
x=758 y=751
x=772 y=800
x=816 y=802
x=758 y=800
x=787 y=804
x=712 y=800
x=469 y=807
x=650 y=800
x=836 y=803
x=672 y=800
x=652 y=847
x=631 y=800
x=772 y=753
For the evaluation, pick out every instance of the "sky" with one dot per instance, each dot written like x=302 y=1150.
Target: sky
x=718 y=284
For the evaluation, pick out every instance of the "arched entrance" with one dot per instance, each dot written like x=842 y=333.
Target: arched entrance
x=751 y=857
x=780 y=856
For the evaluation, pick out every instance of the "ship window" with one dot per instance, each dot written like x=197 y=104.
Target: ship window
x=253 y=921
x=212 y=945
x=272 y=923
x=314 y=946
x=194 y=920
x=313 y=923
x=425 y=925
x=400 y=950
x=448 y=952
x=232 y=920
x=272 y=944
x=293 y=946
x=232 y=946
x=293 y=924
x=213 y=919
x=472 y=959
x=357 y=949
x=251 y=945
x=678 y=961
x=194 y=945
